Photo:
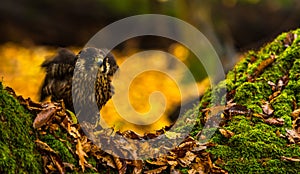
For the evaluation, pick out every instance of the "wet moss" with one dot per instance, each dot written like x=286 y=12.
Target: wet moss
x=256 y=147
x=18 y=152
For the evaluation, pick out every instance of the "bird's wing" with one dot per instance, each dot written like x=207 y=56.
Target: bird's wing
x=61 y=65
x=59 y=72
x=63 y=56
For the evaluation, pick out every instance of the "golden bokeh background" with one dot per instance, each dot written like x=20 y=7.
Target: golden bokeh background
x=20 y=69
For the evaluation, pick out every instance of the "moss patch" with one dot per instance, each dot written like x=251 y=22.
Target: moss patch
x=18 y=153
x=255 y=148
x=271 y=75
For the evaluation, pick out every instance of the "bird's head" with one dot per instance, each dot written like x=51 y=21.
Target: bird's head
x=93 y=58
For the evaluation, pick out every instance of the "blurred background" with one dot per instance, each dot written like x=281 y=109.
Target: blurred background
x=31 y=30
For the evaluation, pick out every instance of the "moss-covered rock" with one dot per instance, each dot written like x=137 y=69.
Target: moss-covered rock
x=18 y=152
x=51 y=147
x=270 y=75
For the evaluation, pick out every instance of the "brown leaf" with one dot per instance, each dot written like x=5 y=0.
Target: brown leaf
x=267 y=108
x=278 y=134
x=226 y=133
x=86 y=145
x=296 y=125
x=296 y=159
x=138 y=166
x=73 y=131
x=188 y=145
x=121 y=165
x=44 y=116
x=199 y=148
x=273 y=85
x=264 y=64
x=296 y=113
x=172 y=163
x=187 y=159
x=219 y=161
x=236 y=109
x=172 y=156
x=108 y=160
x=53 y=127
x=288 y=40
x=58 y=163
x=273 y=96
x=157 y=171
x=218 y=170
x=81 y=154
x=197 y=167
x=44 y=146
x=51 y=167
x=158 y=162
x=275 y=121
x=292 y=136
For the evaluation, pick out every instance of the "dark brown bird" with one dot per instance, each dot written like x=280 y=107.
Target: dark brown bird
x=82 y=81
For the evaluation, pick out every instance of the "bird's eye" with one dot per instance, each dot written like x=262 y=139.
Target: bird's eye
x=98 y=59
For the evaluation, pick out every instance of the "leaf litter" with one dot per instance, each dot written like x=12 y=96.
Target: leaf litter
x=53 y=118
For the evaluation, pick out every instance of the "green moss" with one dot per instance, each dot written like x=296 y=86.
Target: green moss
x=283 y=103
x=256 y=146
x=252 y=95
x=61 y=147
x=253 y=148
x=17 y=148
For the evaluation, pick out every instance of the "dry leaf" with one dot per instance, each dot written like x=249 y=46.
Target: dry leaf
x=197 y=167
x=292 y=136
x=187 y=159
x=158 y=162
x=275 y=121
x=236 y=109
x=296 y=159
x=296 y=113
x=267 y=108
x=73 y=131
x=44 y=146
x=121 y=165
x=273 y=96
x=288 y=40
x=172 y=163
x=51 y=167
x=108 y=160
x=226 y=133
x=138 y=166
x=53 y=127
x=81 y=154
x=58 y=163
x=273 y=85
x=157 y=171
x=44 y=116
x=261 y=67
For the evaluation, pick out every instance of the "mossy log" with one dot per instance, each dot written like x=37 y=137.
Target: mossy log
x=258 y=133
x=261 y=111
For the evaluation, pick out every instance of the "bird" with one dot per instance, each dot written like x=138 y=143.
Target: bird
x=80 y=80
